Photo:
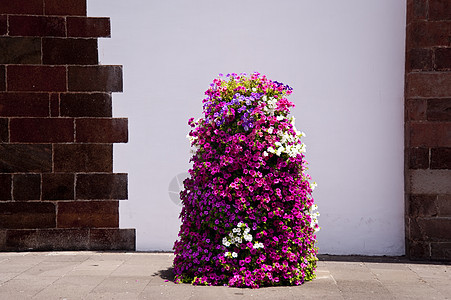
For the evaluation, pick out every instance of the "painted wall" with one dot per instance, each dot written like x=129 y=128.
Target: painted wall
x=345 y=61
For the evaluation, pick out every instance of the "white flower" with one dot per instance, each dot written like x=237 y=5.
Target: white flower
x=254 y=90
x=234 y=255
x=240 y=224
x=313 y=185
x=265 y=153
x=248 y=237
x=227 y=254
x=280 y=118
x=270 y=130
x=258 y=245
x=271 y=150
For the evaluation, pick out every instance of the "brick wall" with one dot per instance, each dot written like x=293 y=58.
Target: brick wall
x=57 y=186
x=428 y=129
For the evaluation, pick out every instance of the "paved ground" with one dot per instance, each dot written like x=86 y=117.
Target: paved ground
x=98 y=275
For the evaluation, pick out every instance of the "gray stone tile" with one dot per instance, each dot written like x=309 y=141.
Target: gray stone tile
x=24 y=287
x=70 y=287
x=167 y=291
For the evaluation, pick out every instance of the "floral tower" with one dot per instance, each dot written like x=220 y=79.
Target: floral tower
x=248 y=216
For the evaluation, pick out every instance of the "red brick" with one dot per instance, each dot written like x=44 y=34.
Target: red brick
x=24 y=105
x=101 y=186
x=20 y=50
x=58 y=186
x=439 y=10
x=419 y=59
x=95 y=78
x=423 y=34
x=54 y=105
x=95 y=130
x=88 y=27
x=37 y=78
x=422 y=206
x=3 y=25
x=83 y=157
x=25 y=158
x=419 y=158
x=2 y=78
x=86 y=105
x=46 y=239
x=64 y=51
x=29 y=7
x=416 y=109
x=4 y=130
x=439 y=109
x=430 y=134
x=428 y=85
x=112 y=239
x=26 y=187
x=83 y=214
x=65 y=8
x=36 y=26
x=23 y=215
x=443 y=58
x=441 y=158
x=5 y=187
x=39 y=130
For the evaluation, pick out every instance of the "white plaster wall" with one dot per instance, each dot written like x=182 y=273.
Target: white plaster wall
x=345 y=61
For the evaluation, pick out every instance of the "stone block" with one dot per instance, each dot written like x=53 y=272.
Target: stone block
x=439 y=109
x=47 y=239
x=58 y=186
x=36 y=26
x=24 y=104
x=27 y=215
x=65 y=8
x=54 y=104
x=20 y=50
x=86 y=105
x=430 y=134
x=88 y=27
x=416 y=109
x=429 y=85
x=419 y=59
x=95 y=78
x=113 y=239
x=26 y=187
x=423 y=205
x=83 y=157
x=101 y=130
x=419 y=158
x=439 y=10
x=441 y=158
x=29 y=7
x=36 y=78
x=430 y=181
x=84 y=214
x=25 y=158
x=5 y=187
x=101 y=186
x=4 y=130
x=66 y=51
x=42 y=130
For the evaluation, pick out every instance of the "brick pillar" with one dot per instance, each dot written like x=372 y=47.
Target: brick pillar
x=57 y=186
x=428 y=129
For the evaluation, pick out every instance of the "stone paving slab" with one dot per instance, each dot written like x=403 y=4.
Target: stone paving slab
x=137 y=275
